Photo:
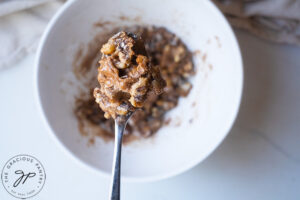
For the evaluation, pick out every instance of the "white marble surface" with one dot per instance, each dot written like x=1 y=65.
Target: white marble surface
x=260 y=158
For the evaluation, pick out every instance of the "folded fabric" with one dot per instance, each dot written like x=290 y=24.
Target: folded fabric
x=276 y=20
x=23 y=21
x=21 y=25
x=11 y=6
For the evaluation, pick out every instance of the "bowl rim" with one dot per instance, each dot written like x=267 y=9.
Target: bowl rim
x=92 y=168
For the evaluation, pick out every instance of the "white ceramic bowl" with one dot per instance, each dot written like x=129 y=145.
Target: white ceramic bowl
x=199 y=123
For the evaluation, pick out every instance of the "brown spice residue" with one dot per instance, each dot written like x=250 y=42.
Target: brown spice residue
x=101 y=24
x=168 y=121
x=218 y=41
x=176 y=121
x=91 y=141
x=82 y=64
x=194 y=104
x=196 y=53
x=124 y=18
x=76 y=63
x=136 y=19
x=204 y=56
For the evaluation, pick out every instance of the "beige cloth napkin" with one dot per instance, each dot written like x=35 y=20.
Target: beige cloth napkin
x=22 y=23
x=276 y=20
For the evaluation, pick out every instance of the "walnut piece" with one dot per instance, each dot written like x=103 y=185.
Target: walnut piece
x=125 y=75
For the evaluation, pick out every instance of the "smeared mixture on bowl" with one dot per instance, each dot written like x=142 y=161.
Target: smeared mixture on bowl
x=167 y=53
x=126 y=76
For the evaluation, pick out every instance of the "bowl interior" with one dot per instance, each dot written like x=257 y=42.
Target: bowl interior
x=200 y=121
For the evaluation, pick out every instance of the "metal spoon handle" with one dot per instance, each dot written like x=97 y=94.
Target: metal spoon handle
x=116 y=170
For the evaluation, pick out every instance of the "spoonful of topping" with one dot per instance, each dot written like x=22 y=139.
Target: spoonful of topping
x=126 y=77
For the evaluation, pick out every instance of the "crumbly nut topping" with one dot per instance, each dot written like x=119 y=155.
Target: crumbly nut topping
x=125 y=75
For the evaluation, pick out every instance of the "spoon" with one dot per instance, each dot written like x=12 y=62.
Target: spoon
x=120 y=125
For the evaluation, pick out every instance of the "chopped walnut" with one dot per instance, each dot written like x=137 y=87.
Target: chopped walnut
x=125 y=76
